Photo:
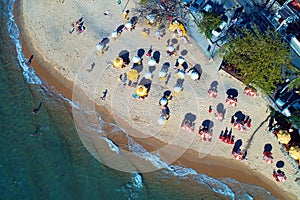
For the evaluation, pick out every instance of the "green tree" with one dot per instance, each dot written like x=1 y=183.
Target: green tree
x=209 y=23
x=295 y=83
x=258 y=57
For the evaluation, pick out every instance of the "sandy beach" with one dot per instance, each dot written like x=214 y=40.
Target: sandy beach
x=63 y=61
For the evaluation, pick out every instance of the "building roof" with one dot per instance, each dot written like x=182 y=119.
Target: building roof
x=295 y=6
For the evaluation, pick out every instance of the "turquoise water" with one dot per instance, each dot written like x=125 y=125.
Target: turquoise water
x=42 y=156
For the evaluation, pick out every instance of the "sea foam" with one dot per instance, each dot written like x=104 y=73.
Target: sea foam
x=14 y=33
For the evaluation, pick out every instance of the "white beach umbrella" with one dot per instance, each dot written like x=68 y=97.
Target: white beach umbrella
x=128 y=25
x=162 y=74
x=151 y=62
x=136 y=59
x=162 y=120
x=170 y=48
x=163 y=101
x=177 y=88
x=194 y=75
x=180 y=60
x=99 y=47
x=151 y=18
x=148 y=75
x=180 y=74
x=114 y=34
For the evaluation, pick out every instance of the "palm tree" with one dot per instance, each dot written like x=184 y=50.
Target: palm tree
x=295 y=83
x=209 y=23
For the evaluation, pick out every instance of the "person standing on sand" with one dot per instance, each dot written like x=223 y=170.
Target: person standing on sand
x=29 y=61
x=125 y=15
x=104 y=94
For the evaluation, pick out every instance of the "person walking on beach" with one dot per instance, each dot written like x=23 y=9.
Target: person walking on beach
x=210 y=109
x=104 y=94
x=78 y=26
x=92 y=67
x=125 y=15
x=29 y=61
x=123 y=79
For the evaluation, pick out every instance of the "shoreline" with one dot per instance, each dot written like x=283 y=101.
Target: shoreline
x=209 y=165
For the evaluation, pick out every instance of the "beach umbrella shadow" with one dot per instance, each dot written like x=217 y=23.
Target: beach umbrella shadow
x=198 y=68
x=232 y=92
x=138 y=67
x=174 y=41
x=146 y=82
x=268 y=148
x=208 y=124
x=152 y=68
x=104 y=41
x=124 y=54
x=221 y=108
x=179 y=82
x=165 y=66
x=190 y=117
x=120 y=28
x=280 y=164
x=185 y=65
x=134 y=20
x=167 y=93
x=156 y=56
x=214 y=84
x=140 y=53
x=239 y=116
x=237 y=145
x=184 y=52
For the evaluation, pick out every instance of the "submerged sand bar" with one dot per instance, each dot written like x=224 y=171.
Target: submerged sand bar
x=46 y=25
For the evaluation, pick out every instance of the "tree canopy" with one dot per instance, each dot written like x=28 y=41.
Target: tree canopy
x=258 y=57
x=295 y=83
x=209 y=23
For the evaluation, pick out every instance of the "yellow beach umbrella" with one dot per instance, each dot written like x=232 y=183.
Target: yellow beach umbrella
x=118 y=63
x=283 y=137
x=132 y=75
x=141 y=91
x=295 y=152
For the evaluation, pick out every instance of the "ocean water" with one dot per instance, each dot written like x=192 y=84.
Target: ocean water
x=43 y=157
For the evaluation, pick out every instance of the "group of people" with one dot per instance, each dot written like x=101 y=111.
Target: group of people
x=227 y=137
x=279 y=175
x=164 y=109
x=213 y=92
x=129 y=25
x=205 y=133
x=267 y=156
x=78 y=26
x=238 y=154
x=241 y=123
x=249 y=91
x=188 y=125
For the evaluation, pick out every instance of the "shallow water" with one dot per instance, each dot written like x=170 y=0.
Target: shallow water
x=42 y=156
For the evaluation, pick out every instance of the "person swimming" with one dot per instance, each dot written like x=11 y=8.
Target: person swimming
x=35 y=110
